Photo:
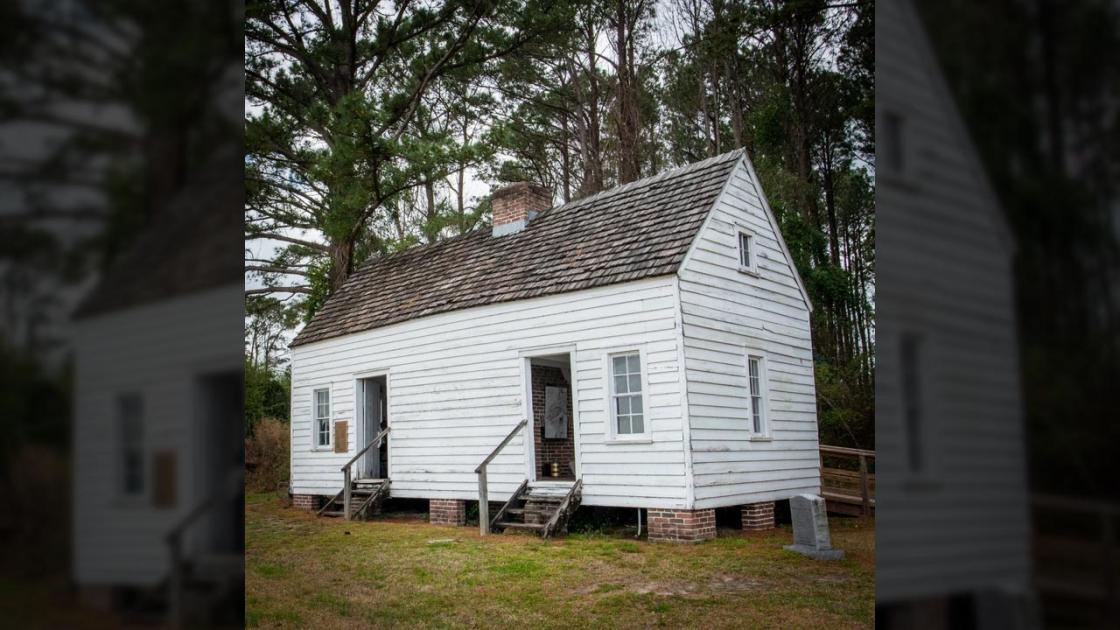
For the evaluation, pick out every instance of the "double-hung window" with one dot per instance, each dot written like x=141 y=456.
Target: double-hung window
x=912 y=400
x=627 y=408
x=322 y=421
x=756 y=382
x=130 y=418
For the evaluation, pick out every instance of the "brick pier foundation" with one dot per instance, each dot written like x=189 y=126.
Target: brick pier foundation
x=305 y=501
x=447 y=511
x=758 y=517
x=681 y=525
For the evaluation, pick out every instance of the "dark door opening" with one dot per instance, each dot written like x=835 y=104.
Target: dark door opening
x=553 y=418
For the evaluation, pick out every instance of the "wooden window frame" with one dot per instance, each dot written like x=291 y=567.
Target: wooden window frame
x=316 y=418
x=123 y=447
x=646 y=435
x=763 y=432
x=751 y=267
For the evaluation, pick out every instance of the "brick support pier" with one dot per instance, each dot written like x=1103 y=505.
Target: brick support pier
x=681 y=525
x=447 y=511
x=758 y=517
x=305 y=501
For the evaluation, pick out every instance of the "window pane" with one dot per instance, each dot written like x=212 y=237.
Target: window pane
x=635 y=383
x=756 y=413
x=623 y=405
x=636 y=424
x=745 y=250
x=623 y=425
x=619 y=365
x=635 y=364
x=133 y=477
x=620 y=384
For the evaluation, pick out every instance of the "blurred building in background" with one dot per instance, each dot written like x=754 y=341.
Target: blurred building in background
x=157 y=457
x=121 y=189
x=952 y=546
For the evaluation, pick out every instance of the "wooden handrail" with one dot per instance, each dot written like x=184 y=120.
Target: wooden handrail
x=844 y=450
x=376 y=440
x=498 y=449
x=174 y=540
x=347 y=473
x=1074 y=504
x=200 y=509
x=483 y=495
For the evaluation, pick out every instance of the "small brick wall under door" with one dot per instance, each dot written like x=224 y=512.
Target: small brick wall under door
x=547 y=451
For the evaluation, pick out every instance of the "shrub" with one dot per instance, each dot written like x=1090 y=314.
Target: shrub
x=267 y=455
x=34 y=525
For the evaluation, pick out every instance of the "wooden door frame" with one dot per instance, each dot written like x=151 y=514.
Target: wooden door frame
x=526 y=360
x=361 y=440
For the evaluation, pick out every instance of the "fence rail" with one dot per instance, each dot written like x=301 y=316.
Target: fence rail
x=848 y=490
x=1076 y=555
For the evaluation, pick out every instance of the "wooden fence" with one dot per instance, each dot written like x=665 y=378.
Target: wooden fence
x=848 y=480
x=1076 y=559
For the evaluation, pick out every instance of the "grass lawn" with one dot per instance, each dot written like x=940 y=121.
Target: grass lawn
x=303 y=571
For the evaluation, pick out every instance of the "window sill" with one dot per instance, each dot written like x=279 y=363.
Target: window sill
x=130 y=503
x=322 y=449
x=629 y=440
x=761 y=438
x=750 y=271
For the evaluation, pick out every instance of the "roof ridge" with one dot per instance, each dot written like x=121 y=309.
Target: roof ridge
x=645 y=181
x=603 y=194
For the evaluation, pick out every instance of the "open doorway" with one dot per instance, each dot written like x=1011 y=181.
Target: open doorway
x=373 y=418
x=554 y=452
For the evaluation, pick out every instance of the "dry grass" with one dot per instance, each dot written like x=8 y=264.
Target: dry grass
x=303 y=571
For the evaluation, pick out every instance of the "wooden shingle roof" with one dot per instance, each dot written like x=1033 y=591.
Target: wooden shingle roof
x=640 y=230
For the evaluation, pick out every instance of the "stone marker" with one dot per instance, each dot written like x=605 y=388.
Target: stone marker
x=810 y=528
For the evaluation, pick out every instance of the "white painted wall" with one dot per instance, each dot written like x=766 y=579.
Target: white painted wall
x=456 y=388
x=157 y=351
x=944 y=273
x=726 y=314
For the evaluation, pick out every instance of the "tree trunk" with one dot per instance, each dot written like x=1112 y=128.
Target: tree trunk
x=342 y=261
x=431 y=229
x=593 y=157
x=627 y=114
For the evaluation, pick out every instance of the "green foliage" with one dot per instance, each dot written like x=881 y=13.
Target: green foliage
x=268 y=394
x=355 y=108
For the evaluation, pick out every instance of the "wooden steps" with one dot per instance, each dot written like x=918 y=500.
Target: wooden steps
x=366 y=497
x=542 y=508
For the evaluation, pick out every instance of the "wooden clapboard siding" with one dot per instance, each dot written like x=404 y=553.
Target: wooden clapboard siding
x=157 y=351
x=944 y=273
x=725 y=313
x=455 y=390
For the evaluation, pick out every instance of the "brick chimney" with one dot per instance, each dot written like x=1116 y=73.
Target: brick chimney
x=515 y=205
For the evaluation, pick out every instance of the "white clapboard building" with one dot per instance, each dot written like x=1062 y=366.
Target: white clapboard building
x=157 y=435
x=952 y=515
x=645 y=347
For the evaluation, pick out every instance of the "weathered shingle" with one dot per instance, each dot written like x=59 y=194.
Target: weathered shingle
x=194 y=243
x=636 y=231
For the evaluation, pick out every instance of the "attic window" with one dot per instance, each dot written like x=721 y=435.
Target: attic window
x=746 y=251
